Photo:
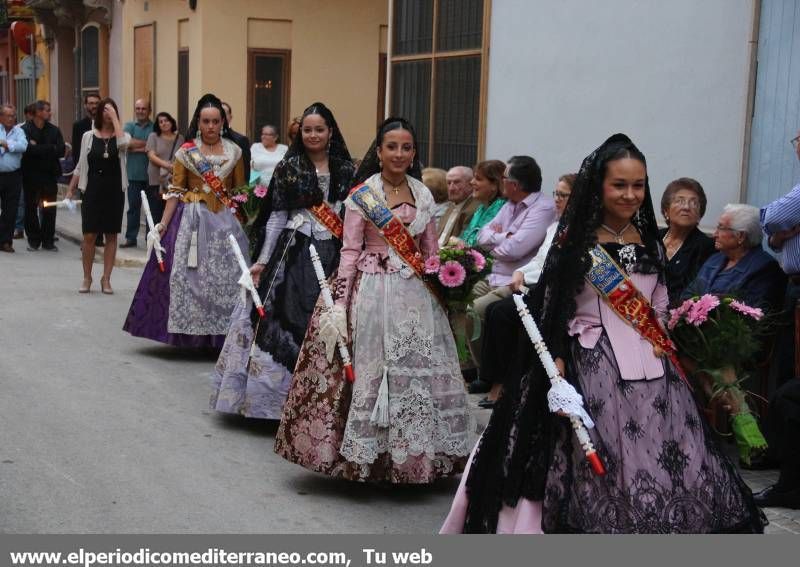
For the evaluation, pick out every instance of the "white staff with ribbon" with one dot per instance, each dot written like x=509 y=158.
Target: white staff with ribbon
x=246 y=279
x=153 y=236
x=336 y=324
x=562 y=396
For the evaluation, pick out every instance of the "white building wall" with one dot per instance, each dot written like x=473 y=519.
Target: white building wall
x=673 y=75
x=115 y=67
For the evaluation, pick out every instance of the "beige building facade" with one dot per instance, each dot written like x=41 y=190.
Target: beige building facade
x=268 y=58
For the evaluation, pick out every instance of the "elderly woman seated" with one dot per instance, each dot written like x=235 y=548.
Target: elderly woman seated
x=683 y=206
x=740 y=267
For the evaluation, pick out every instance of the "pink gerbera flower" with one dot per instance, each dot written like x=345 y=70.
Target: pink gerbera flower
x=698 y=313
x=452 y=274
x=240 y=198
x=678 y=312
x=432 y=265
x=480 y=261
x=753 y=312
x=260 y=191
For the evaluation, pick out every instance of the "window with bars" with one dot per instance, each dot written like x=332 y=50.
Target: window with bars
x=438 y=61
x=90 y=58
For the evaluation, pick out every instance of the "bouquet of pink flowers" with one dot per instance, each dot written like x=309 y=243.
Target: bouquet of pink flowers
x=719 y=336
x=453 y=273
x=248 y=200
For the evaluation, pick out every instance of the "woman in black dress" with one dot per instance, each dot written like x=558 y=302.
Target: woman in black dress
x=683 y=206
x=102 y=177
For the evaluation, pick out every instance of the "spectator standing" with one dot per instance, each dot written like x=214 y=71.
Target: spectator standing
x=12 y=145
x=101 y=176
x=161 y=146
x=239 y=139
x=40 y=172
x=781 y=222
x=138 y=130
x=294 y=128
x=513 y=238
x=79 y=128
x=19 y=228
x=462 y=205
x=266 y=154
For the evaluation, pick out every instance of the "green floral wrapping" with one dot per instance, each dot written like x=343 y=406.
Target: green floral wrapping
x=747 y=434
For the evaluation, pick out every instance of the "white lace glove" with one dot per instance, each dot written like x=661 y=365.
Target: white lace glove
x=154 y=241
x=70 y=204
x=332 y=326
x=563 y=397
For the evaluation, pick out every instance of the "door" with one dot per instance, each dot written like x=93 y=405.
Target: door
x=268 y=91
x=773 y=167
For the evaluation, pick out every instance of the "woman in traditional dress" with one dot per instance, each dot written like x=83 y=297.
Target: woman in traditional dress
x=303 y=207
x=189 y=304
x=404 y=419
x=665 y=472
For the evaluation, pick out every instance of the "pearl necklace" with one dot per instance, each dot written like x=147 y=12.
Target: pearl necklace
x=618 y=236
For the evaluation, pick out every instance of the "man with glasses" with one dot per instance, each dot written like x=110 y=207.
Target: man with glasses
x=503 y=326
x=781 y=222
x=513 y=238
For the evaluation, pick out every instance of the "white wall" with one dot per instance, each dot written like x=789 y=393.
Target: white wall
x=115 y=67
x=672 y=75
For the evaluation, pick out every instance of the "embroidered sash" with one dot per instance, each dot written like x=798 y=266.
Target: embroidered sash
x=621 y=295
x=206 y=171
x=328 y=218
x=392 y=229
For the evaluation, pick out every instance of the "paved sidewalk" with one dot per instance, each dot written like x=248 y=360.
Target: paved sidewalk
x=68 y=226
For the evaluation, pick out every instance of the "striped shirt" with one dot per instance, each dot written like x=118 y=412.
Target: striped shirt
x=783 y=214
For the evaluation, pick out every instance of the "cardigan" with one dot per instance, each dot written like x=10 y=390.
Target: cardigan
x=82 y=169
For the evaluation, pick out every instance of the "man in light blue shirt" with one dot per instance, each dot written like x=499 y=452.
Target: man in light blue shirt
x=139 y=130
x=781 y=222
x=13 y=144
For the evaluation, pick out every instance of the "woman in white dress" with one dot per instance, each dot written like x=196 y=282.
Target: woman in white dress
x=266 y=154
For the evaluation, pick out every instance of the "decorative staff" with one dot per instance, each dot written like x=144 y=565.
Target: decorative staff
x=562 y=396
x=325 y=291
x=294 y=224
x=153 y=236
x=246 y=280
x=67 y=203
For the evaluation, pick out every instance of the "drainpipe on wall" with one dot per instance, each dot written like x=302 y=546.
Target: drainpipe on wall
x=751 y=99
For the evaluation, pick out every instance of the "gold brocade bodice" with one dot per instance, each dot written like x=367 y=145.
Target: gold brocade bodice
x=192 y=188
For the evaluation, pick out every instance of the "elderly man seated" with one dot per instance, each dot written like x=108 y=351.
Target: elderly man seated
x=740 y=267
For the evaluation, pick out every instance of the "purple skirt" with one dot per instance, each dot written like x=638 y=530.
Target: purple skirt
x=149 y=312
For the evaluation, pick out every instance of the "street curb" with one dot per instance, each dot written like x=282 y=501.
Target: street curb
x=119 y=261
x=70 y=230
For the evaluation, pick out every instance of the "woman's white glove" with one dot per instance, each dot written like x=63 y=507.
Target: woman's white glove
x=563 y=397
x=332 y=326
